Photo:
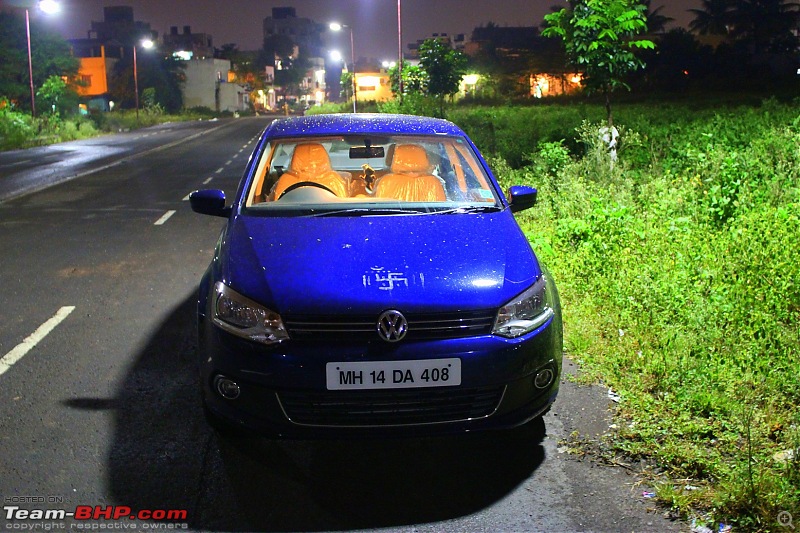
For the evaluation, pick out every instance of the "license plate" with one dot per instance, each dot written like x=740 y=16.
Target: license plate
x=394 y=374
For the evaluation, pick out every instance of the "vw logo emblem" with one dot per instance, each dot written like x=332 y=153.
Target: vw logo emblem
x=392 y=326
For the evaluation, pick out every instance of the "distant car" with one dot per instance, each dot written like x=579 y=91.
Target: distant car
x=371 y=279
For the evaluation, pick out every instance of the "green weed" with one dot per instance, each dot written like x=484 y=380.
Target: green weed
x=677 y=268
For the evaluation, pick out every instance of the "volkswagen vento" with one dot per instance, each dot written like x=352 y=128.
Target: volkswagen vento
x=371 y=278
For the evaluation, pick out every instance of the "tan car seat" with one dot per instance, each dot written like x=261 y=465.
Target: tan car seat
x=310 y=162
x=411 y=179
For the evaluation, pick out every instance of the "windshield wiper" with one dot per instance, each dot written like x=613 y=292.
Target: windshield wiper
x=468 y=209
x=369 y=211
x=408 y=211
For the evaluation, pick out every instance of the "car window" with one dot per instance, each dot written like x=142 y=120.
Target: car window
x=436 y=172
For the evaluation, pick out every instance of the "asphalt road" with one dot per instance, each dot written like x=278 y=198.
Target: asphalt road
x=100 y=406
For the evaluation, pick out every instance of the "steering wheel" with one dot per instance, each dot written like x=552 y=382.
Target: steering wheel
x=305 y=184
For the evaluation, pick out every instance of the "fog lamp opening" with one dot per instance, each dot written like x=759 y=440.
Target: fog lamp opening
x=226 y=387
x=544 y=378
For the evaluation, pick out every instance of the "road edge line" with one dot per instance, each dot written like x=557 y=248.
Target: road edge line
x=21 y=349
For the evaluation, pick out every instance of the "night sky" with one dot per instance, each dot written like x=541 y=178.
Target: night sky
x=374 y=21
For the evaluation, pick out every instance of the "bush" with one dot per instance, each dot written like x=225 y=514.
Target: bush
x=677 y=269
x=330 y=108
x=515 y=132
x=16 y=128
x=412 y=104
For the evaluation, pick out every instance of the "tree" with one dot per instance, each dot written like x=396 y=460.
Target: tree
x=56 y=97
x=276 y=46
x=164 y=74
x=506 y=57
x=415 y=80
x=766 y=25
x=291 y=76
x=229 y=51
x=346 y=83
x=50 y=56
x=598 y=36
x=290 y=61
x=444 y=66
x=679 y=61
x=713 y=18
x=754 y=30
x=656 y=21
x=245 y=65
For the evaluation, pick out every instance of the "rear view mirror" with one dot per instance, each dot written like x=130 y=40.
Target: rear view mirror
x=522 y=197
x=367 y=152
x=209 y=202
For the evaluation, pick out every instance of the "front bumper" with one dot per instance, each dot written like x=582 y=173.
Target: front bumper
x=283 y=391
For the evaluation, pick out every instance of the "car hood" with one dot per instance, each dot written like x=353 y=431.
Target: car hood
x=367 y=264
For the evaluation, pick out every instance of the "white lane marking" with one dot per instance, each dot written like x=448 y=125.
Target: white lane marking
x=186 y=198
x=17 y=163
x=33 y=339
x=219 y=170
x=229 y=162
x=160 y=221
x=208 y=180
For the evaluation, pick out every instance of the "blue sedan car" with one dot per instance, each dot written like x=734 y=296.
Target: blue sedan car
x=371 y=279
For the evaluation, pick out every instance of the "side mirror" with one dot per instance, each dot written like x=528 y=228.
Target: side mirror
x=521 y=197
x=209 y=202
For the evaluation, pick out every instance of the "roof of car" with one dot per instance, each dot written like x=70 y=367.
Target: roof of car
x=361 y=123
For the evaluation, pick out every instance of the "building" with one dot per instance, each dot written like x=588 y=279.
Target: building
x=106 y=43
x=296 y=38
x=188 y=45
x=554 y=84
x=505 y=41
x=95 y=71
x=313 y=85
x=93 y=76
x=208 y=82
x=532 y=63
x=118 y=26
x=302 y=32
x=373 y=85
x=457 y=42
x=207 y=85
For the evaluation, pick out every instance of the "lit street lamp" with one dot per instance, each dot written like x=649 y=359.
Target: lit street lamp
x=399 y=51
x=49 y=7
x=146 y=44
x=335 y=26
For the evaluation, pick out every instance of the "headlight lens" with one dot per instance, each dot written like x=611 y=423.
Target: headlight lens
x=244 y=318
x=526 y=312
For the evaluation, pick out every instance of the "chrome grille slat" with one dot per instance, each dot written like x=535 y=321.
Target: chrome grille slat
x=389 y=407
x=425 y=326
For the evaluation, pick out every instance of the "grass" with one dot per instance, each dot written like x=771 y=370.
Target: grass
x=677 y=268
x=20 y=130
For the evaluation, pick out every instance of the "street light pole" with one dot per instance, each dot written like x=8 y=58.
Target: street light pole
x=335 y=26
x=135 y=82
x=30 y=61
x=399 y=51
x=353 y=59
x=146 y=43
x=48 y=6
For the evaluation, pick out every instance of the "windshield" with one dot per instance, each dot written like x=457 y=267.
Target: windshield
x=370 y=174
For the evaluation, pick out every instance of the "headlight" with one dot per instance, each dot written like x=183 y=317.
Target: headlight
x=526 y=312
x=245 y=318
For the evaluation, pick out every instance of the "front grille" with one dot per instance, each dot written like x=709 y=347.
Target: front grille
x=389 y=407
x=426 y=326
